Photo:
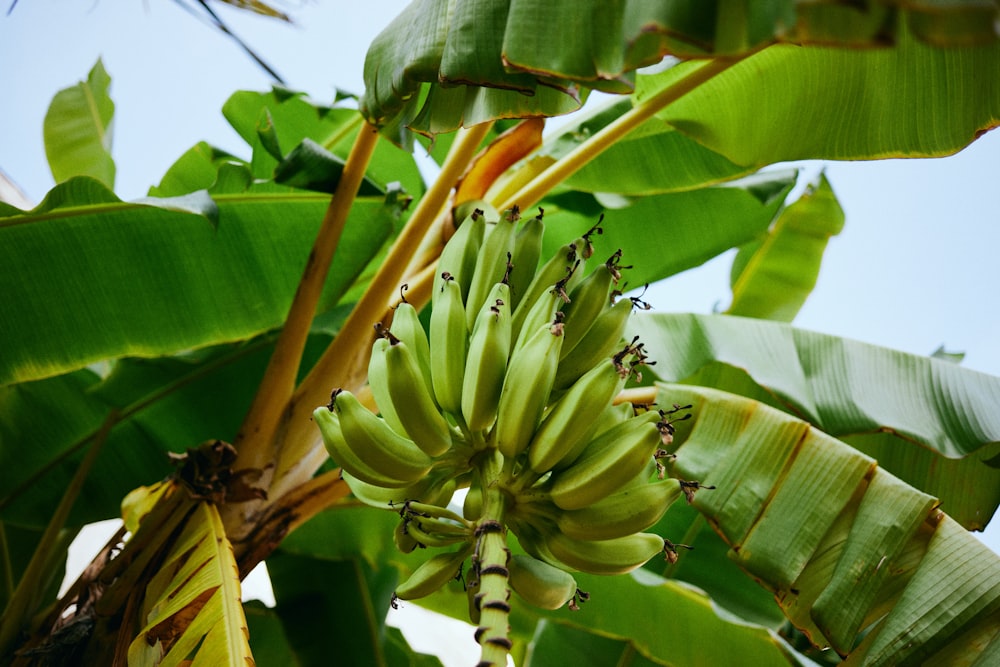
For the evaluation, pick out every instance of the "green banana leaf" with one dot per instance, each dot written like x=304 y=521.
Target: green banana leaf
x=555 y=644
x=842 y=543
x=268 y=641
x=231 y=282
x=829 y=103
x=211 y=388
x=929 y=422
x=437 y=48
x=708 y=567
x=197 y=169
x=77 y=130
x=333 y=608
x=773 y=276
x=697 y=225
x=278 y=123
x=652 y=159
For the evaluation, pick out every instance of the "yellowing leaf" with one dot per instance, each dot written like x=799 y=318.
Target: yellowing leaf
x=192 y=609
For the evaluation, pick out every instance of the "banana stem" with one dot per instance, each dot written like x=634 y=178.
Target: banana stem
x=490 y=564
x=559 y=171
x=345 y=361
x=255 y=439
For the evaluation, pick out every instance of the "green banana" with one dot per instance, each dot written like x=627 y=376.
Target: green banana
x=378 y=381
x=458 y=258
x=423 y=531
x=632 y=509
x=413 y=400
x=614 y=556
x=540 y=584
x=601 y=340
x=432 y=574
x=472 y=594
x=383 y=497
x=533 y=536
x=374 y=442
x=588 y=300
x=448 y=354
x=570 y=423
x=542 y=312
x=612 y=415
x=558 y=268
x=403 y=540
x=333 y=437
x=607 y=463
x=472 y=506
x=486 y=363
x=406 y=326
x=526 y=389
x=527 y=250
x=491 y=265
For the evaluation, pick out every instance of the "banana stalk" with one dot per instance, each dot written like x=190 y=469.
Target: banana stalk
x=490 y=570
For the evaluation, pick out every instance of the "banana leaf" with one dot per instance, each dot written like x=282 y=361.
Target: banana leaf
x=928 y=421
x=77 y=130
x=841 y=543
x=696 y=225
x=824 y=102
x=232 y=281
x=211 y=387
x=773 y=276
x=436 y=45
x=191 y=608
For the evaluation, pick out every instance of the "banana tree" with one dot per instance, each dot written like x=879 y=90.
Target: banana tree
x=169 y=360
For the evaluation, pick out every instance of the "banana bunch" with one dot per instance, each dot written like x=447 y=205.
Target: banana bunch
x=511 y=396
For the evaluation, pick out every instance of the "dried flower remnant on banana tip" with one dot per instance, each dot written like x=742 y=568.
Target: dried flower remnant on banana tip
x=510 y=394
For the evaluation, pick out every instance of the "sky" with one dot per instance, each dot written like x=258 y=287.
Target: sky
x=915 y=267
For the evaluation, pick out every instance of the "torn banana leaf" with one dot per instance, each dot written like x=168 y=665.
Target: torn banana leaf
x=843 y=545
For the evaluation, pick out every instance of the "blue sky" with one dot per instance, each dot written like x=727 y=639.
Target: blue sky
x=916 y=266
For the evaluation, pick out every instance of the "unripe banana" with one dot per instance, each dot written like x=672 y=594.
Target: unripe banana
x=413 y=401
x=427 y=533
x=527 y=250
x=403 y=540
x=588 y=300
x=458 y=258
x=378 y=381
x=448 y=354
x=630 y=510
x=491 y=265
x=602 y=339
x=558 y=268
x=615 y=556
x=406 y=326
x=533 y=536
x=570 y=423
x=607 y=463
x=374 y=442
x=540 y=584
x=526 y=389
x=486 y=364
x=542 y=312
x=333 y=437
x=473 y=597
x=435 y=488
x=613 y=415
x=383 y=497
x=434 y=573
x=472 y=506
